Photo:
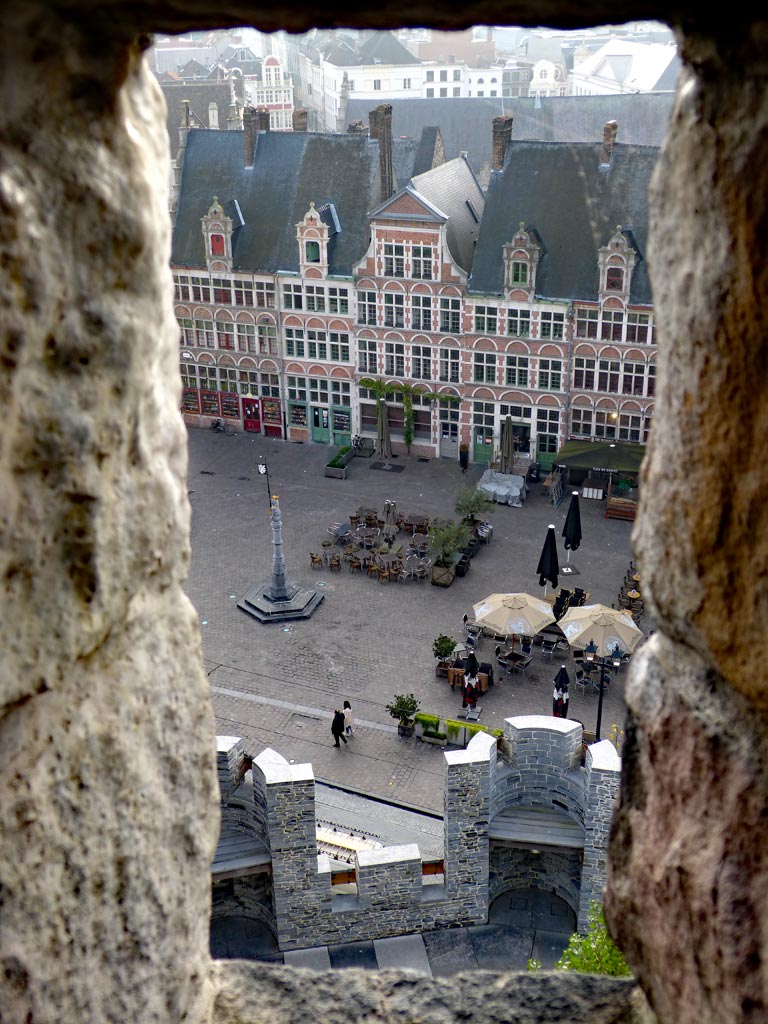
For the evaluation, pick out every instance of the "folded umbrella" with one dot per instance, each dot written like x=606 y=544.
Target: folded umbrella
x=548 y=566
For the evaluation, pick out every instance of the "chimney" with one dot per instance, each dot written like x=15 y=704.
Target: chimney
x=300 y=119
x=610 y=131
x=263 y=118
x=250 y=135
x=184 y=123
x=502 y=133
x=380 y=122
x=356 y=128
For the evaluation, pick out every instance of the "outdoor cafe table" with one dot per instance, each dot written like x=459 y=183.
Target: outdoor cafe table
x=634 y=594
x=367 y=512
x=416 y=522
x=388 y=559
x=367 y=535
x=419 y=542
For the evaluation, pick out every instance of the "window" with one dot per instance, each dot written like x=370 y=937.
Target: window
x=519 y=273
x=294 y=342
x=581 y=422
x=421 y=262
x=444 y=91
x=605 y=424
x=377 y=85
x=217 y=245
x=457 y=75
x=338 y=301
x=394 y=309
x=188 y=374
x=586 y=323
x=222 y=291
x=421 y=312
x=243 y=293
x=406 y=83
x=187 y=335
x=608 y=375
x=443 y=76
x=584 y=373
x=640 y=329
x=651 y=388
x=201 y=289
x=340 y=390
x=450 y=315
x=265 y=294
x=394 y=359
x=519 y=323
x=366 y=308
x=270 y=385
x=612 y=327
x=450 y=364
x=207 y=377
x=267 y=339
x=292 y=296
x=630 y=427
x=318 y=391
x=430 y=93
x=457 y=90
x=339 y=347
x=517 y=371
x=317 y=344
x=204 y=333
x=614 y=279
x=366 y=355
x=547 y=426
x=550 y=374
x=421 y=362
x=181 y=289
x=484 y=368
x=430 y=76
x=227 y=379
x=633 y=378
x=394 y=260
x=552 y=325
x=315 y=299
x=486 y=319
x=312 y=251
x=246 y=338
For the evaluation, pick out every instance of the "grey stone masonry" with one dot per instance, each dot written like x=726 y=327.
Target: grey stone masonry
x=230 y=755
x=603 y=769
x=389 y=879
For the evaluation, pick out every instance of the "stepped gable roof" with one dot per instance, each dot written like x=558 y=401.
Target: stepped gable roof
x=465 y=122
x=291 y=169
x=574 y=205
x=453 y=188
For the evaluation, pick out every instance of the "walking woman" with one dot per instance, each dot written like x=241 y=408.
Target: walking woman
x=348 y=719
x=337 y=728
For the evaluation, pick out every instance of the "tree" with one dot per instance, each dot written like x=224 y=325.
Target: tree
x=595 y=952
x=470 y=501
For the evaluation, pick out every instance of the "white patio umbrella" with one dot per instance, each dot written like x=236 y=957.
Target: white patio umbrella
x=606 y=627
x=513 y=613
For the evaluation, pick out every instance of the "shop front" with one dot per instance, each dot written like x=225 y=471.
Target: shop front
x=252 y=414
x=272 y=417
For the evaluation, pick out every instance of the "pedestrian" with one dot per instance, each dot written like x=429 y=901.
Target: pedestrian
x=566 y=698
x=348 y=719
x=557 y=701
x=337 y=727
x=560 y=694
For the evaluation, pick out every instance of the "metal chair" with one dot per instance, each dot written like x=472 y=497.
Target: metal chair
x=548 y=647
x=316 y=561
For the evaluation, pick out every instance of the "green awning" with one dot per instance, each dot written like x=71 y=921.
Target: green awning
x=610 y=456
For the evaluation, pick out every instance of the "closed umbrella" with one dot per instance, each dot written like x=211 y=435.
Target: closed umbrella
x=606 y=627
x=390 y=520
x=513 y=613
x=382 y=432
x=471 y=665
x=572 y=528
x=548 y=566
x=507 y=447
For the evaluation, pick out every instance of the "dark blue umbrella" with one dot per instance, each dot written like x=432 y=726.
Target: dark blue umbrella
x=548 y=566
x=572 y=527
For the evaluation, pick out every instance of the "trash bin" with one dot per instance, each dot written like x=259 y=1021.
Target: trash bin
x=534 y=473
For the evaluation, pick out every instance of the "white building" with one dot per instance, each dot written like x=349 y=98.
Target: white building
x=622 y=66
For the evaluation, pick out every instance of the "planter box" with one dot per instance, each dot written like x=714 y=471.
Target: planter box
x=442 y=576
x=441 y=669
x=337 y=472
x=438 y=739
x=462 y=566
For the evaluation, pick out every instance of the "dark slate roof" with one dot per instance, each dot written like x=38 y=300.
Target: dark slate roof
x=452 y=187
x=200 y=96
x=403 y=160
x=465 y=122
x=290 y=170
x=383 y=48
x=426 y=152
x=559 y=190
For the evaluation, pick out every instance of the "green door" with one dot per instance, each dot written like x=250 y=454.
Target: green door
x=482 y=444
x=321 y=430
x=342 y=425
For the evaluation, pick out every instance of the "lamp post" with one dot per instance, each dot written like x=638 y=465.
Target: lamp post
x=590 y=653
x=263 y=471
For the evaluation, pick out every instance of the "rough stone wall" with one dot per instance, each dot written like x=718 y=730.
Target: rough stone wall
x=558 y=872
x=603 y=767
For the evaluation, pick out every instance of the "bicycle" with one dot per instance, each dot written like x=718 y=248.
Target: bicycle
x=219 y=427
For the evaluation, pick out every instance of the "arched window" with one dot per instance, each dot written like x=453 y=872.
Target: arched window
x=614 y=279
x=217 y=245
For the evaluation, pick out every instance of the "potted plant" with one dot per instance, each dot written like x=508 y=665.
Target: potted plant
x=443 y=647
x=469 y=502
x=445 y=542
x=336 y=466
x=404 y=707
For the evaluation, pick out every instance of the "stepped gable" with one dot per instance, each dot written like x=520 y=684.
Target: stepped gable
x=574 y=204
x=290 y=170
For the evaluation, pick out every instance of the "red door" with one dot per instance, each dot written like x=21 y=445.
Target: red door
x=251 y=414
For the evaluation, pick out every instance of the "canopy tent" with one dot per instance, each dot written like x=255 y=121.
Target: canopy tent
x=608 y=456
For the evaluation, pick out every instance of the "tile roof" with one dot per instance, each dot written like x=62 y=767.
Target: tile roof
x=574 y=205
x=290 y=170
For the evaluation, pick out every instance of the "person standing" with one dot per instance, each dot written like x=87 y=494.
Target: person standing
x=560 y=694
x=557 y=701
x=337 y=728
x=566 y=698
x=348 y=719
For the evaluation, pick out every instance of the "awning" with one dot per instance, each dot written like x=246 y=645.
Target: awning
x=610 y=456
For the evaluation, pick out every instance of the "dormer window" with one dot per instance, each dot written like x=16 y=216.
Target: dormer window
x=614 y=279
x=313 y=234
x=519 y=273
x=521 y=259
x=312 y=252
x=616 y=261
x=218 y=229
x=217 y=245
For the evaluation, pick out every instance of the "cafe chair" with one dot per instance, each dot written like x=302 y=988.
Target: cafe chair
x=579 y=597
x=354 y=520
x=384 y=574
x=373 y=569
x=548 y=647
x=316 y=561
x=355 y=563
x=334 y=563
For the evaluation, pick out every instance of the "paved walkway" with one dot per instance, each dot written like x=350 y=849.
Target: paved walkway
x=278 y=686
x=524 y=924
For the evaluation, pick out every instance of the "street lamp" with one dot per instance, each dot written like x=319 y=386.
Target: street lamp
x=263 y=471
x=590 y=653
